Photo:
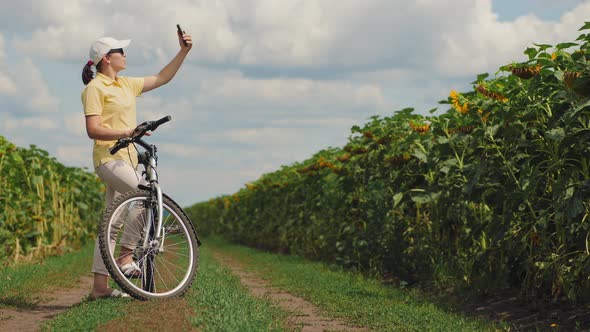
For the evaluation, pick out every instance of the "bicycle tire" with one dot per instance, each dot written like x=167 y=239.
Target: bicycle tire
x=110 y=260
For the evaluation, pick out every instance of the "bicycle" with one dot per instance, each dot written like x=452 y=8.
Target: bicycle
x=151 y=228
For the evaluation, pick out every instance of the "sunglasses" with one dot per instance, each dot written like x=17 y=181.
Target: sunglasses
x=116 y=50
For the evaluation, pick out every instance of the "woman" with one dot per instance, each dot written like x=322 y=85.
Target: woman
x=109 y=108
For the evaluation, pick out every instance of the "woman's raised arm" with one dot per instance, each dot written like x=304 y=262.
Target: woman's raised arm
x=168 y=72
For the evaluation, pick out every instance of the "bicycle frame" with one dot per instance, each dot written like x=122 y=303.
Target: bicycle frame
x=154 y=187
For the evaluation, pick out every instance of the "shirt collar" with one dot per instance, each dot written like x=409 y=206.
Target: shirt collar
x=105 y=79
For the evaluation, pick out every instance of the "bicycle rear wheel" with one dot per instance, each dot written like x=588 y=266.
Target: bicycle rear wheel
x=167 y=265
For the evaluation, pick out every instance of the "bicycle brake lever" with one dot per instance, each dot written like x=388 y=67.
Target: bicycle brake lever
x=140 y=130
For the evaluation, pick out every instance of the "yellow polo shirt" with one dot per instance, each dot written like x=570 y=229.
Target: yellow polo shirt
x=114 y=101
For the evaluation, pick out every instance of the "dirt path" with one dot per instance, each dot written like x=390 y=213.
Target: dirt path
x=30 y=319
x=156 y=315
x=306 y=316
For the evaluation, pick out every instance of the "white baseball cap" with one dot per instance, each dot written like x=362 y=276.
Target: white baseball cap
x=103 y=45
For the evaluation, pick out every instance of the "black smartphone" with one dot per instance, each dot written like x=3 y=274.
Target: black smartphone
x=181 y=33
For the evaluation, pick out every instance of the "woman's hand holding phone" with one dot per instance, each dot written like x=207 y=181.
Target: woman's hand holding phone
x=184 y=39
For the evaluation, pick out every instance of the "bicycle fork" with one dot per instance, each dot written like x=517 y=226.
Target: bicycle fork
x=152 y=243
x=149 y=222
x=153 y=178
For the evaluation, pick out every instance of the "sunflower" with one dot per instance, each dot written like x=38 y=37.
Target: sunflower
x=569 y=77
x=526 y=72
x=463 y=109
x=484 y=91
x=421 y=129
x=344 y=158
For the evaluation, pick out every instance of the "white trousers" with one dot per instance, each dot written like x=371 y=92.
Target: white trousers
x=119 y=177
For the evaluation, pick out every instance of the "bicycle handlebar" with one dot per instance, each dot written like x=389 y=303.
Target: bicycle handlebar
x=138 y=133
x=119 y=145
x=161 y=121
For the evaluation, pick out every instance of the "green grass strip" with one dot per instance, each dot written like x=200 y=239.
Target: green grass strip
x=87 y=315
x=351 y=296
x=21 y=285
x=223 y=304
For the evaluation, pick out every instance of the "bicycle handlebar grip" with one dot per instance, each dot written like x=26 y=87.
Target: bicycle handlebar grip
x=115 y=149
x=118 y=146
x=163 y=120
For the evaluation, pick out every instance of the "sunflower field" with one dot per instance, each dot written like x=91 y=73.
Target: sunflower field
x=45 y=207
x=493 y=194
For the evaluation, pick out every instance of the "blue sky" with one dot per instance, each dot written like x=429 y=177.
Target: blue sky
x=509 y=10
x=268 y=83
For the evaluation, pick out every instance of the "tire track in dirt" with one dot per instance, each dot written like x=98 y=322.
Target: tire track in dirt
x=305 y=315
x=30 y=319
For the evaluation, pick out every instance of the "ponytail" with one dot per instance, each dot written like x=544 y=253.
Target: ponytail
x=87 y=73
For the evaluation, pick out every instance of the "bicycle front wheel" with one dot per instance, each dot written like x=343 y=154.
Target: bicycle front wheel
x=146 y=266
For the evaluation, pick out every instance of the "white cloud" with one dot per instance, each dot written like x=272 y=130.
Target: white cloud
x=259 y=136
x=152 y=106
x=51 y=42
x=480 y=41
x=75 y=154
x=7 y=85
x=28 y=129
x=2 y=52
x=186 y=185
x=64 y=30
x=455 y=37
x=23 y=83
x=76 y=125
x=234 y=90
x=38 y=123
x=327 y=122
x=267 y=83
x=33 y=91
x=8 y=124
x=185 y=150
